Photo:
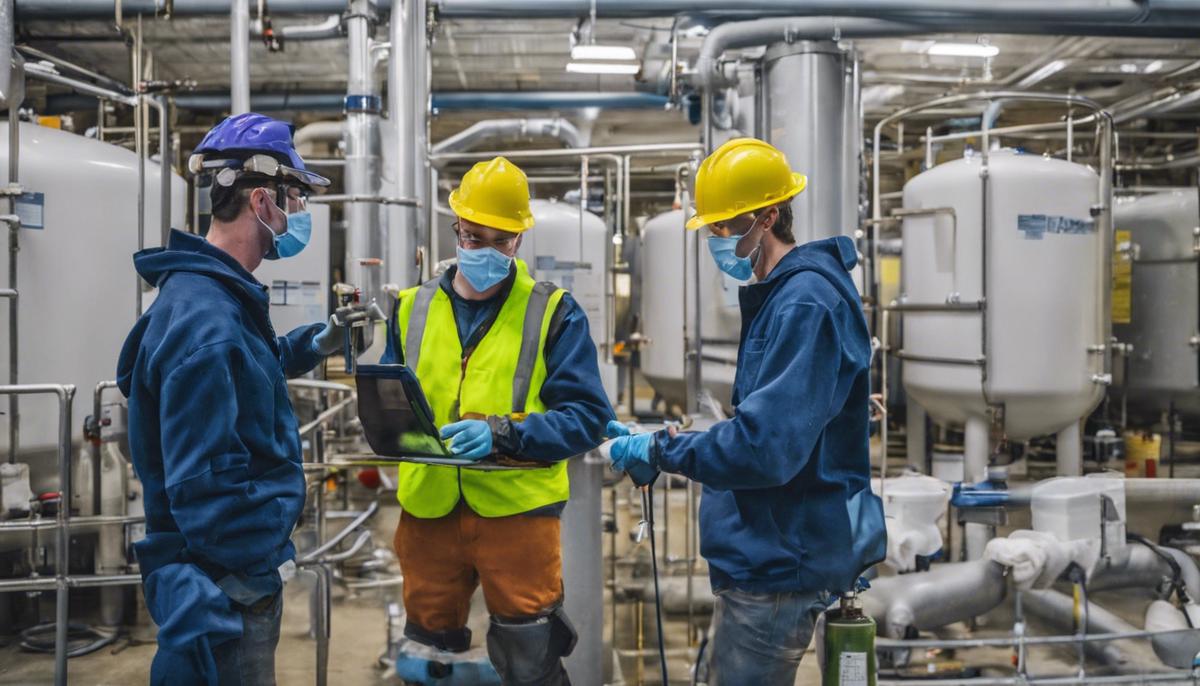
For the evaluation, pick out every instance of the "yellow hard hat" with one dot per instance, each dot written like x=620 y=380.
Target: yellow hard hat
x=743 y=175
x=495 y=194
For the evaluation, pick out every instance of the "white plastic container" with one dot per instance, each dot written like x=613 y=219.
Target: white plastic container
x=1069 y=508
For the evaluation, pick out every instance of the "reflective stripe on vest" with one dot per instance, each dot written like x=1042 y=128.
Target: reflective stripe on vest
x=502 y=375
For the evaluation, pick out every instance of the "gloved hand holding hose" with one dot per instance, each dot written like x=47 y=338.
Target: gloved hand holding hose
x=630 y=453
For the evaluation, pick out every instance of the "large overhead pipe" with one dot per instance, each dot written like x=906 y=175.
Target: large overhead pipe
x=489 y=129
x=59 y=103
x=747 y=34
x=366 y=243
x=239 y=56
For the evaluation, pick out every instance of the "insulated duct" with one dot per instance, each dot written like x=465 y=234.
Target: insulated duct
x=319 y=131
x=479 y=132
x=948 y=593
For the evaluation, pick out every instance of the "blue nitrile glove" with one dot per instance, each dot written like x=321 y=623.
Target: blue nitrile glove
x=330 y=340
x=630 y=453
x=472 y=438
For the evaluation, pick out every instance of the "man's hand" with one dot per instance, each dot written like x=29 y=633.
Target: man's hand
x=630 y=453
x=472 y=438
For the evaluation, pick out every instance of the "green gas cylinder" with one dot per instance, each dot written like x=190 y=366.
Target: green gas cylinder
x=849 y=645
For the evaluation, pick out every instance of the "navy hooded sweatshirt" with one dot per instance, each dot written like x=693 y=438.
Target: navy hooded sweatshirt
x=213 y=439
x=787 y=502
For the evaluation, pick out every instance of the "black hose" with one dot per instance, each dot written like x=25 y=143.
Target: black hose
x=662 y=648
x=1177 y=584
x=700 y=660
x=82 y=639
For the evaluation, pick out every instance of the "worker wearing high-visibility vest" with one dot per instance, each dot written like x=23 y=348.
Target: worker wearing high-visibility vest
x=508 y=366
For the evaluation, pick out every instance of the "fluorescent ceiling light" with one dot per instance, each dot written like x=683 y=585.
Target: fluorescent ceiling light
x=963 y=50
x=603 y=52
x=602 y=68
x=1042 y=74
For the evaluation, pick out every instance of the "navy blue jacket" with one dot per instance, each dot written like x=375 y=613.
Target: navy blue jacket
x=578 y=408
x=787 y=503
x=214 y=442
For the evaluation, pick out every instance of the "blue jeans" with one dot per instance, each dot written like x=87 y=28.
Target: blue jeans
x=250 y=660
x=759 y=638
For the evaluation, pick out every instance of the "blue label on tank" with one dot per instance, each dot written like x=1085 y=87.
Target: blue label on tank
x=30 y=208
x=1036 y=226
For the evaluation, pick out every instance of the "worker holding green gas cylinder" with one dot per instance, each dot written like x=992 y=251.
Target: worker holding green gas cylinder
x=788 y=521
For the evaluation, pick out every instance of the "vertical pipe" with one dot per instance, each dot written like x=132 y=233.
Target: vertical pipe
x=975 y=455
x=408 y=103
x=164 y=161
x=139 y=143
x=916 y=436
x=366 y=242
x=14 y=246
x=691 y=321
x=239 y=56
x=583 y=569
x=1069 y=451
x=63 y=535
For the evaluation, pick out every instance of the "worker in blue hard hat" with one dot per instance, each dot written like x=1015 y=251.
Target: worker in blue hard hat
x=787 y=517
x=211 y=429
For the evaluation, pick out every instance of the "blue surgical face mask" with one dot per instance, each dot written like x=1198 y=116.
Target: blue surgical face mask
x=293 y=240
x=724 y=252
x=483 y=267
x=722 y=249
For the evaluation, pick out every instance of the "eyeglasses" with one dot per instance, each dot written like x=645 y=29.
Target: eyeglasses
x=470 y=241
x=737 y=226
x=296 y=198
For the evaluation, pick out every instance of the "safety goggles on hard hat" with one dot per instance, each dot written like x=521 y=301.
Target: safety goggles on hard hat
x=226 y=171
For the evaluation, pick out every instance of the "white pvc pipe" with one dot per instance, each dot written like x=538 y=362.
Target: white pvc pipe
x=975 y=454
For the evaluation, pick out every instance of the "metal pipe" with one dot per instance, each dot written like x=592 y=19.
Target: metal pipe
x=745 y=34
x=46 y=73
x=943 y=595
x=366 y=253
x=100 y=79
x=1180 y=677
x=327 y=415
x=315 y=555
x=1058 y=609
x=319 y=385
x=557 y=128
x=163 y=105
x=570 y=153
x=324 y=131
x=239 y=56
x=139 y=124
x=14 y=98
x=97 y=397
x=354 y=198
x=77 y=523
x=6 y=47
x=328 y=29
x=84 y=581
x=408 y=100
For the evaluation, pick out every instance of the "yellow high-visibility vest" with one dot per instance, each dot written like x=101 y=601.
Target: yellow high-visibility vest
x=502 y=375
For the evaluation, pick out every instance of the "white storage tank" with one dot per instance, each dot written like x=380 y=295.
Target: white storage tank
x=75 y=273
x=662 y=270
x=1044 y=314
x=570 y=248
x=1156 y=312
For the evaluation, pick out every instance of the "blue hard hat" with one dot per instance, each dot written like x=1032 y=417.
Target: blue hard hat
x=243 y=135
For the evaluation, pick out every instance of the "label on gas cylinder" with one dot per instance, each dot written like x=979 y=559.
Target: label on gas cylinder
x=852 y=669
